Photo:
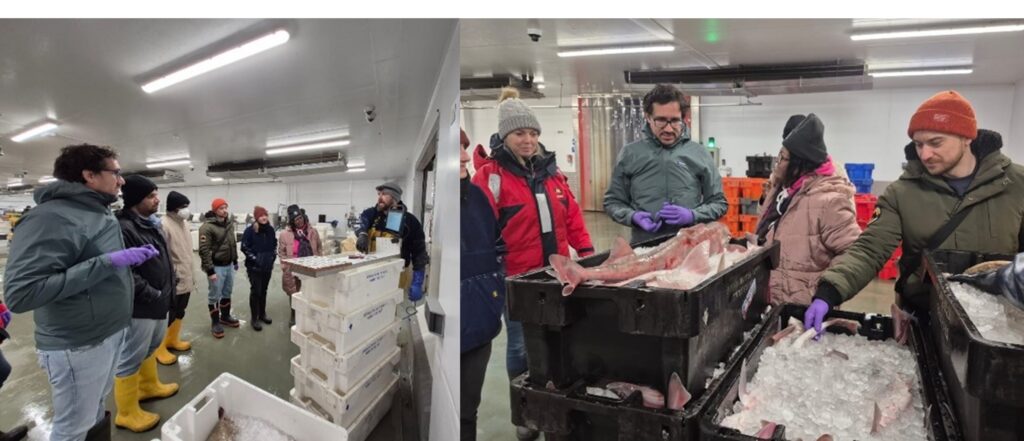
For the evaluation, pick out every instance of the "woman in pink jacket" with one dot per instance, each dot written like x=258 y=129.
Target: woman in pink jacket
x=809 y=210
x=299 y=239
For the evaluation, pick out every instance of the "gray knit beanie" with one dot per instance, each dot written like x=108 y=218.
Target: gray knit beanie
x=514 y=114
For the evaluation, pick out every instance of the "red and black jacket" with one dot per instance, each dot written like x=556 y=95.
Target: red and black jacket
x=537 y=213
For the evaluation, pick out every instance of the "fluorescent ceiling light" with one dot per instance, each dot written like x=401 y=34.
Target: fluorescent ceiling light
x=921 y=72
x=356 y=162
x=305 y=147
x=541 y=86
x=308 y=137
x=14 y=181
x=617 y=50
x=216 y=179
x=937 y=32
x=356 y=170
x=47 y=179
x=35 y=131
x=167 y=164
x=222 y=59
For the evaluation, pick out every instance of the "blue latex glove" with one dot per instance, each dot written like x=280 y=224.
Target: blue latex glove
x=988 y=281
x=5 y=316
x=416 y=289
x=132 y=256
x=815 y=315
x=676 y=215
x=644 y=220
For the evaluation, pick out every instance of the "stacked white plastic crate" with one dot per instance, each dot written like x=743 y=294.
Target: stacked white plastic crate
x=347 y=332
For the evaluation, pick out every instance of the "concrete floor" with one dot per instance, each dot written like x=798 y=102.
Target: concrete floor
x=260 y=358
x=494 y=416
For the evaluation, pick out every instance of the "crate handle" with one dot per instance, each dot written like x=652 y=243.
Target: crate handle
x=201 y=401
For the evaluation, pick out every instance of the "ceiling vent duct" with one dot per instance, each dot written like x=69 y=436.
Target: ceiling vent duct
x=754 y=80
x=160 y=176
x=489 y=88
x=278 y=168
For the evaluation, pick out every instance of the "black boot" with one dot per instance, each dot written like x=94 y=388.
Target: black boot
x=14 y=434
x=254 y=305
x=225 y=314
x=216 y=328
x=263 y=309
x=101 y=431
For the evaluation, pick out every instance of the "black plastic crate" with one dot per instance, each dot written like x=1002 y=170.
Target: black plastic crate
x=986 y=378
x=759 y=166
x=939 y=414
x=572 y=415
x=639 y=335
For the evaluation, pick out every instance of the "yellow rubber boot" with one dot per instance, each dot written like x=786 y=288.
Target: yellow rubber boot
x=129 y=415
x=150 y=386
x=174 y=331
x=162 y=355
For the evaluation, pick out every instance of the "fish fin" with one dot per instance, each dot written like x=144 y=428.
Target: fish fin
x=876 y=421
x=678 y=396
x=569 y=272
x=620 y=249
x=698 y=260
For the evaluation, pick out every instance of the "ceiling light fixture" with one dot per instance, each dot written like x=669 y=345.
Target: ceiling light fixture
x=938 y=31
x=47 y=179
x=617 y=50
x=216 y=179
x=356 y=170
x=306 y=147
x=921 y=72
x=167 y=164
x=36 y=130
x=222 y=59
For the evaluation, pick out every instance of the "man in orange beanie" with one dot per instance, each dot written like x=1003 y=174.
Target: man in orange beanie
x=219 y=255
x=957 y=192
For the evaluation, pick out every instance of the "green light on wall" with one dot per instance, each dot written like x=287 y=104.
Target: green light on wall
x=711 y=34
x=711 y=142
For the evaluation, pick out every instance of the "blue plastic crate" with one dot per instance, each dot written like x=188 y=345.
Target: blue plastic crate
x=859 y=172
x=863 y=185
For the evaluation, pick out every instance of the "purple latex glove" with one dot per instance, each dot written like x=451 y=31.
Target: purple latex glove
x=643 y=220
x=5 y=316
x=132 y=256
x=815 y=314
x=676 y=215
x=235 y=265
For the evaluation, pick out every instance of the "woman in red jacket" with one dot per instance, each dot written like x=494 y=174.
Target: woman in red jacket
x=536 y=211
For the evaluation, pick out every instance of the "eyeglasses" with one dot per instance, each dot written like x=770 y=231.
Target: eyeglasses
x=662 y=122
x=115 y=171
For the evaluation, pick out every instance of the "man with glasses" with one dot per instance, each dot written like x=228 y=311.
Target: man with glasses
x=69 y=265
x=665 y=181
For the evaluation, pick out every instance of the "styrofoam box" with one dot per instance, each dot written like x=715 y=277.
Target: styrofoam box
x=348 y=291
x=365 y=422
x=345 y=332
x=342 y=409
x=343 y=372
x=199 y=417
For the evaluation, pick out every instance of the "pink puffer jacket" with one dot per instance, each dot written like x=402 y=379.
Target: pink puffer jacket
x=819 y=225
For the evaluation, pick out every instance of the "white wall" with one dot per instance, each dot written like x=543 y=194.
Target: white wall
x=443 y=353
x=860 y=126
x=332 y=198
x=1013 y=142
x=556 y=126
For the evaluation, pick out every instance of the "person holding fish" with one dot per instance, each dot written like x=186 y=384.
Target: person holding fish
x=809 y=211
x=957 y=192
x=666 y=181
x=535 y=208
x=1000 y=278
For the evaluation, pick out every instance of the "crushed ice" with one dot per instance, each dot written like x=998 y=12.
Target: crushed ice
x=243 y=428
x=812 y=394
x=995 y=317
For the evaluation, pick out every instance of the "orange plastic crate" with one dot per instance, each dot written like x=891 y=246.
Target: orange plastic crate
x=732 y=187
x=890 y=271
x=753 y=188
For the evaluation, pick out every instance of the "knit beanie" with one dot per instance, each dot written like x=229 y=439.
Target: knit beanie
x=217 y=203
x=945 y=112
x=791 y=124
x=259 y=211
x=175 y=201
x=807 y=140
x=135 y=189
x=514 y=114
x=393 y=189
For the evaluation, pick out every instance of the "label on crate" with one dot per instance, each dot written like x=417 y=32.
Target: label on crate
x=372 y=379
x=377 y=275
x=373 y=345
x=371 y=313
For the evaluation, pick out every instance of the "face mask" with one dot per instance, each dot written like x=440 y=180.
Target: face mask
x=184 y=213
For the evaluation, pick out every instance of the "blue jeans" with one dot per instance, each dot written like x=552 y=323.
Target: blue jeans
x=144 y=336
x=515 y=351
x=80 y=380
x=221 y=289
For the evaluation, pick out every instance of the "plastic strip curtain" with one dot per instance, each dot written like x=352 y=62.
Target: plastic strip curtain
x=611 y=123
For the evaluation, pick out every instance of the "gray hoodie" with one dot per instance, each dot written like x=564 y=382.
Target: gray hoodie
x=58 y=268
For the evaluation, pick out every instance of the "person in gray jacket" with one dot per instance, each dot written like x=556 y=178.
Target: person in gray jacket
x=665 y=181
x=68 y=265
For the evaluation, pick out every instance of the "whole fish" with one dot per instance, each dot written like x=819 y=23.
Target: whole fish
x=572 y=274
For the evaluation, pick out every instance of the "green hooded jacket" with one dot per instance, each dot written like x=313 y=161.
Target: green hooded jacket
x=59 y=269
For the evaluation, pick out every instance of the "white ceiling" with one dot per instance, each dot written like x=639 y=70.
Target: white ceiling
x=85 y=74
x=502 y=46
